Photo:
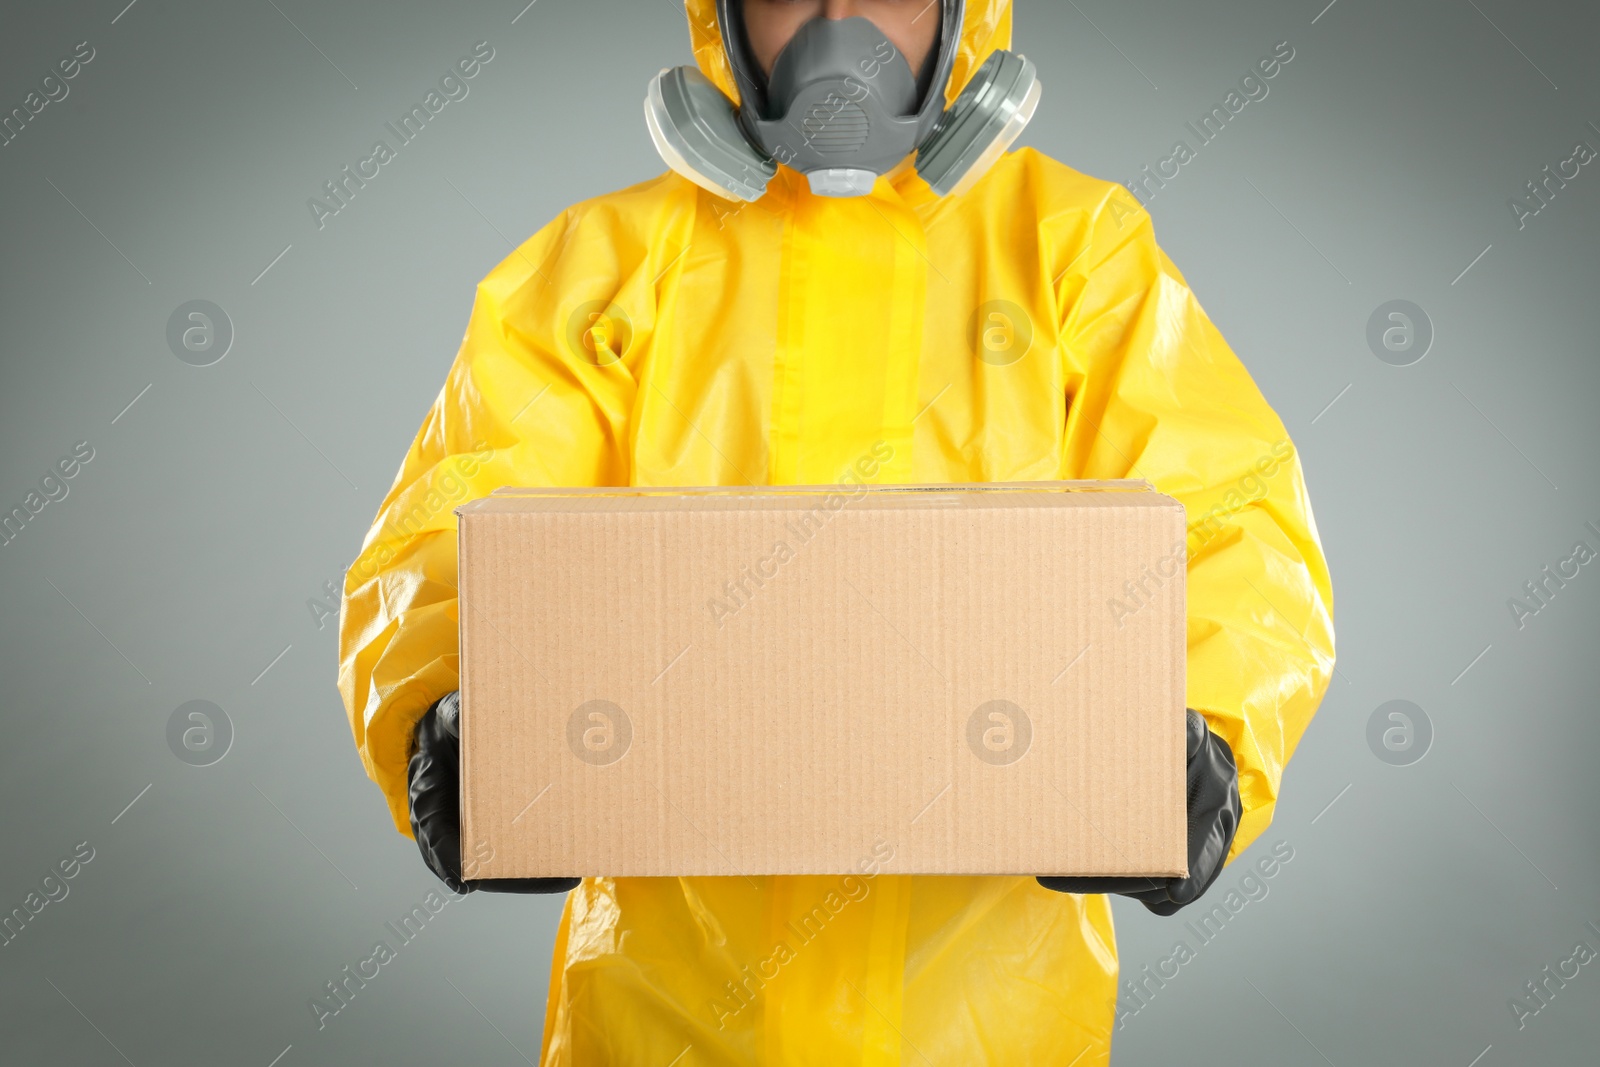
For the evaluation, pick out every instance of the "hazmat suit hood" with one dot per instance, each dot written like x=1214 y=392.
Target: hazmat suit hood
x=985 y=29
x=717 y=125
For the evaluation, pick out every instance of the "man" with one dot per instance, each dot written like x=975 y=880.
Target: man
x=971 y=316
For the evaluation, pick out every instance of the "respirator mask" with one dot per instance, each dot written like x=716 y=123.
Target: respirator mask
x=842 y=107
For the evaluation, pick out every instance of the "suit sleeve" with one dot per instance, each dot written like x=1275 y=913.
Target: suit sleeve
x=534 y=398
x=1154 y=392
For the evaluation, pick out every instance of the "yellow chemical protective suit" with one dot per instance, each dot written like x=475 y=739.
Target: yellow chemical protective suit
x=1029 y=329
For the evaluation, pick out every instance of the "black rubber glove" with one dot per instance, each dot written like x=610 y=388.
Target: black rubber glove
x=434 y=775
x=1213 y=820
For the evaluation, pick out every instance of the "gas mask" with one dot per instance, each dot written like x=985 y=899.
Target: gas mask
x=842 y=107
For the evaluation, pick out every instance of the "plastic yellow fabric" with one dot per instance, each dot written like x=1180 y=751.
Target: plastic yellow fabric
x=658 y=336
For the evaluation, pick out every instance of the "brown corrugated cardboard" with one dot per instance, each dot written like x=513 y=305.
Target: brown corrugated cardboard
x=780 y=681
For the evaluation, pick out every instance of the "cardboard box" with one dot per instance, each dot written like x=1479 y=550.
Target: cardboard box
x=988 y=679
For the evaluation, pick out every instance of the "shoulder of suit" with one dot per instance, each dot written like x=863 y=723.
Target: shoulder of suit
x=1029 y=180
x=608 y=225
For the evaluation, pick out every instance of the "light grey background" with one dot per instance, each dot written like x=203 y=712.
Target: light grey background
x=180 y=565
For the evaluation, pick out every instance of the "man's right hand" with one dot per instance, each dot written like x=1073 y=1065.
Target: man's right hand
x=435 y=791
